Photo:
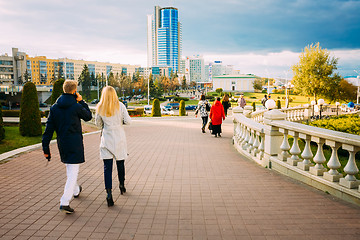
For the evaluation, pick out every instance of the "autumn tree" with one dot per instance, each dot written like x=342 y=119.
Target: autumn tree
x=314 y=74
x=183 y=83
x=257 y=84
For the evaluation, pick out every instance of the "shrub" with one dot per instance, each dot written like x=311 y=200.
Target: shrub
x=346 y=123
x=264 y=91
x=2 y=130
x=179 y=99
x=11 y=113
x=219 y=90
x=210 y=98
x=253 y=106
x=182 y=111
x=278 y=104
x=30 y=118
x=57 y=90
x=156 y=111
x=137 y=112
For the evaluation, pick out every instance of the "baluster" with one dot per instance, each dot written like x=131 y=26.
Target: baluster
x=306 y=154
x=246 y=140
x=262 y=145
x=243 y=135
x=350 y=169
x=251 y=141
x=285 y=146
x=334 y=164
x=319 y=159
x=256 y=144
x=295 y=150
x=237 y=133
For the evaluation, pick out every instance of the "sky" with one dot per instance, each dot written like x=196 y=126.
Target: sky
x=262 y=37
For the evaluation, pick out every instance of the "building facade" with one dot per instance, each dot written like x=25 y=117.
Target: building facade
x=164 y=38
x=234 y=83
x=42 y=71
x=195 y=68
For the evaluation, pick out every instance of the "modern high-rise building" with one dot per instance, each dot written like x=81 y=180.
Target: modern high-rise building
x=164 y=38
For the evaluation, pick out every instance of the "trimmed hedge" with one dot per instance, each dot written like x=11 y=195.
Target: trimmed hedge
x=278 y=104
x=344 y=123
x=30 y=118
x=178 y=99
x=156 y=111
x=57 y=90
x=2 y=130
x=11 y=113
x=182 y=111
x=137 y=112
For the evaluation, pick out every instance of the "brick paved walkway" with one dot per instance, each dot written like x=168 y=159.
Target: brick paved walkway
x=181 y=184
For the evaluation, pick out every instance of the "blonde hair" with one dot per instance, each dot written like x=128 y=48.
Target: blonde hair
x=69 y=86
x=109 y=102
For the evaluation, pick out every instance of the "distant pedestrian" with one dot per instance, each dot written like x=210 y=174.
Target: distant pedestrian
x=242 y=101
x=64 y=118
x=111 y=115
x=204 y=107
x=263 y=101
x=226 y=104
x=217 y=115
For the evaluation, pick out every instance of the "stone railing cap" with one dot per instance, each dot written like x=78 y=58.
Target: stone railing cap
x=237 y=109
x=275 y=115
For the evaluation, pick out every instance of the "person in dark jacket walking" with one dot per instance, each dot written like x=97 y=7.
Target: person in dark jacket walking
x=217 y=115
x=226 y=104
x=65 y=119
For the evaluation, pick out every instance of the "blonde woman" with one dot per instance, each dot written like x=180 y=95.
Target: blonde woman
x=111 y=114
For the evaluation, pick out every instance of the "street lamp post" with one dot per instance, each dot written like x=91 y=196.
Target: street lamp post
x=313 y=107
x=337 y=108
x=357 y=92
x=321 y=102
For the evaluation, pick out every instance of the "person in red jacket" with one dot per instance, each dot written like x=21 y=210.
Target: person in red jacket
x=217 y=115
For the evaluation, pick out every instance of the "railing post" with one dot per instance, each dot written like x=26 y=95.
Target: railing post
x=307 y=111
x=319 y=159
x=236 y=137
x=273 y=137
x=350 y=169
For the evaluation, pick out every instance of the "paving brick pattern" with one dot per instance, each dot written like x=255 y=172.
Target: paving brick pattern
x=181 y=184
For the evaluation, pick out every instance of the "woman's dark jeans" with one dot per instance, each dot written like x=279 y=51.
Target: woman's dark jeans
x=205 y=120
x=108 y=165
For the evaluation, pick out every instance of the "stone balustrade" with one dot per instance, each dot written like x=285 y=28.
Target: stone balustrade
x=266 y=141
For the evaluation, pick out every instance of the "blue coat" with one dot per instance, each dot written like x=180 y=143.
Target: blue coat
x=65 y=119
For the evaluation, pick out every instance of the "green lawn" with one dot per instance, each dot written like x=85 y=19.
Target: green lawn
x=14 y=140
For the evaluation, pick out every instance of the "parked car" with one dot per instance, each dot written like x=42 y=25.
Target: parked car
x=168 y=106
x=147 y=109
x=95 y=101
x=42 y=104
x=190 y=107
x=175 y=105
x=165 y=111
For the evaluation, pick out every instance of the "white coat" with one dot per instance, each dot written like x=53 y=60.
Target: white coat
x=113 y=139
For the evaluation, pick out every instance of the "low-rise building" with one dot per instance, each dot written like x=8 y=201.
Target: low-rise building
x=234 y=83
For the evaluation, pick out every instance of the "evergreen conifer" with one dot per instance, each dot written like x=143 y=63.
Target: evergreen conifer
x=30 y=117
x=156 y=111
x=182 y=111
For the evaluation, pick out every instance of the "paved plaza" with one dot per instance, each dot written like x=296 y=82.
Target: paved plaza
x=181 y=184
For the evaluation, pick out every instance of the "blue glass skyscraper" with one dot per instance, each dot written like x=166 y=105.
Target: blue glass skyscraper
x=164 y=38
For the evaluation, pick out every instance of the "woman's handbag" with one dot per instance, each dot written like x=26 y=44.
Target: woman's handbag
x=210 y=126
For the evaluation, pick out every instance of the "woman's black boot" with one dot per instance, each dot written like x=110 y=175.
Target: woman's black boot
x=122 y=188
x=109 y=198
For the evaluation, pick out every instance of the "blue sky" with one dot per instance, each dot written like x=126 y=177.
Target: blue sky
x=263 y=37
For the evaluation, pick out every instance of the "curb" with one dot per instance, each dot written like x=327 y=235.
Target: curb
x=7 y=155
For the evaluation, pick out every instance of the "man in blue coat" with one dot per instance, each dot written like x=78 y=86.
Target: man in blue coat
x=65 y=118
